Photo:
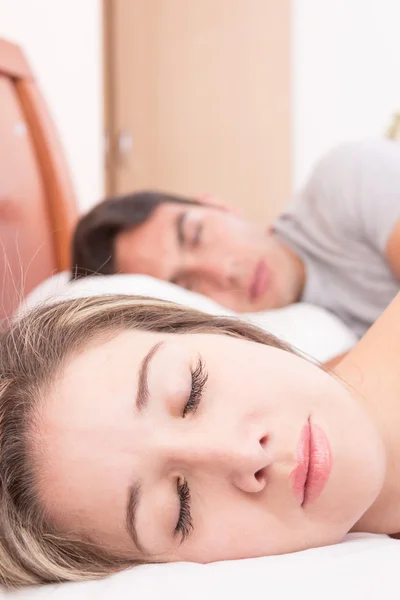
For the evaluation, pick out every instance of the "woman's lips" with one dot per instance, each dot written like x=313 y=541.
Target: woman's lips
x=260 y=281
x=314 y=464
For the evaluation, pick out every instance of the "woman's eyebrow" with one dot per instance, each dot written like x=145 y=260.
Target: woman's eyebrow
x=134 y=493
x=134 y=496
x=142 y=396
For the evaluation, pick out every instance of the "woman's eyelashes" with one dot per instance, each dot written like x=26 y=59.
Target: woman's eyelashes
x=199 y=380
x=185 y=524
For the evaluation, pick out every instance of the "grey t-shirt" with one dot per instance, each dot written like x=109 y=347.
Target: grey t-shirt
x=340 y=224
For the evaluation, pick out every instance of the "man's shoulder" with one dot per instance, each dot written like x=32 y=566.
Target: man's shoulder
x=358 y=149
x=327 y=204
x=347 y=177
x=352 y=195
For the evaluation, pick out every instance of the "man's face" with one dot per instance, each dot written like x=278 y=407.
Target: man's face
x=213 y=252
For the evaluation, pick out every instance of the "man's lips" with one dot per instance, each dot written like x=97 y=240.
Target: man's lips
x=314 y=464
x=259 y=282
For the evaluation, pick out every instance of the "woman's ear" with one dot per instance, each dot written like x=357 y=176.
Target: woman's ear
x=215 y=202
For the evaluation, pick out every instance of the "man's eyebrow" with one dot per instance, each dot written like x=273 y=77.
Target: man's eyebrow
x=180 y=229
x=142 y=396
x=134 y=496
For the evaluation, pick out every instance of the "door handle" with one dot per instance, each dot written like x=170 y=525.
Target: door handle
x=124 y=144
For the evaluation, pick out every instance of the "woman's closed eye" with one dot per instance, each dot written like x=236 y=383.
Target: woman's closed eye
x=199 y=380
x=185 y=524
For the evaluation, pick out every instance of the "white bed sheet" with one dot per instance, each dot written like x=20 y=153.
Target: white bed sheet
x=364 y=567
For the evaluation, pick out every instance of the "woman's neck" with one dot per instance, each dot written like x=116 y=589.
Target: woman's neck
x=372 y=373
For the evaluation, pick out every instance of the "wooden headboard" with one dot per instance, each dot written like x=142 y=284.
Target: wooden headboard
x=37 y=203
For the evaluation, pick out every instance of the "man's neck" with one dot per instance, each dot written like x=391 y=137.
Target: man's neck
x=298 y=271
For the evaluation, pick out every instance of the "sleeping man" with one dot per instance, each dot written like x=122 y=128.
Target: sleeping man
x=336 y=246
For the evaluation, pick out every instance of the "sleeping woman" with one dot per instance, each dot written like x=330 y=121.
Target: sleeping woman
x=136 y=431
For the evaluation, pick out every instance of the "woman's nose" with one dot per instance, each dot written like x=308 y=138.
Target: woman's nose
x=250 y=470
x=242 y=462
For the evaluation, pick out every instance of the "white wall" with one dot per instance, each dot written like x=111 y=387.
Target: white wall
x=62 y=41
x=346 y=74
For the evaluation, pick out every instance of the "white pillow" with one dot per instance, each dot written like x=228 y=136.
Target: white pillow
x=364 y=567
x=311 y=329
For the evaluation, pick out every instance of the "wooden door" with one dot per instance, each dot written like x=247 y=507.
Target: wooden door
x=198 y=99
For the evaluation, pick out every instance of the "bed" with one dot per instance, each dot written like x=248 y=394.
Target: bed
x=37 y=215
x=37 y=203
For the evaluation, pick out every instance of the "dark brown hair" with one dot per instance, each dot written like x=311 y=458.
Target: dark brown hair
x=94 y=237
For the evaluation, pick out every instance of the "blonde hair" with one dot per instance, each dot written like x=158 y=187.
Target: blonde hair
x=33 y=351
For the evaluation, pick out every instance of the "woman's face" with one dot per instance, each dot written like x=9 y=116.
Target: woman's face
x=202 y=447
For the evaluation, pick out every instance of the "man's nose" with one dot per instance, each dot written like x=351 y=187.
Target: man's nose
x=243 y=462
x=221 y=269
